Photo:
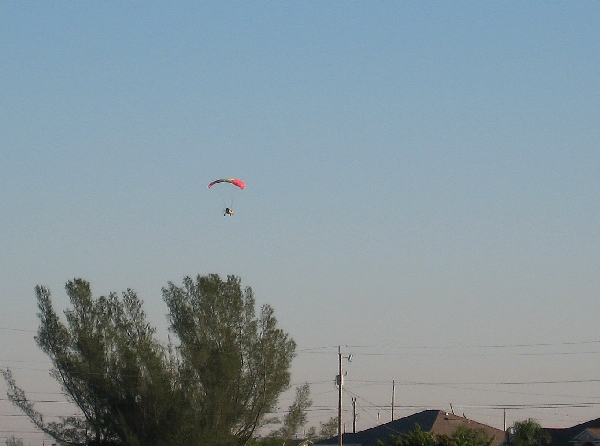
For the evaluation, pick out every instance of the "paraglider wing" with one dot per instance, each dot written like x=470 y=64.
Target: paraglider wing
x=234 y=181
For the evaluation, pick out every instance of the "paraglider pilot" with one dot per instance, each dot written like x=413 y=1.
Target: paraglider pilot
x=228 y=211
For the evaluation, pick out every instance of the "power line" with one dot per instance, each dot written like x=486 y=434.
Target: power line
x=536 y=344
x=468 y=351
x=501 y=383
x=18 y=329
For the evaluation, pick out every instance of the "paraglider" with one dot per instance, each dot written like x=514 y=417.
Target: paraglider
x=233 y=181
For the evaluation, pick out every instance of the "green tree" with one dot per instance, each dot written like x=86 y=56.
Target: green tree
x=107 y=363
x=296 y=417
x=329 y=428
x=235 y=364
x=417 y=437
x=213 y=388
x=13 y=441
x=528 y=433
x=462 y=436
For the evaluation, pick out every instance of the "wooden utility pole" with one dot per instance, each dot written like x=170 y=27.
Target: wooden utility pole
x=393 y=397
x=340 y=383
x=353 y=415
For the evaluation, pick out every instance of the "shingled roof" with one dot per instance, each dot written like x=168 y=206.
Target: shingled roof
x=434 y=421
x=566 y=436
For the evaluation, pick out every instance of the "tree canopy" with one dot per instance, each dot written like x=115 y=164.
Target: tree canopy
x=213 y=385
x=463 y=436
x=295 y=419
x=528 y=433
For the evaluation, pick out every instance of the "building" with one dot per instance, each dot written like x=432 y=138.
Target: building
x=434 y=421
x=584 y=434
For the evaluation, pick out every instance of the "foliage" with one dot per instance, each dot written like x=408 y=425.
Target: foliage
x=295 y=418
x=463 y=436
x=213 y=388
x=528 y=433
x=13 y=441
x=234 y=364
x=107 y=363
x=329 y=428
x=417 y=437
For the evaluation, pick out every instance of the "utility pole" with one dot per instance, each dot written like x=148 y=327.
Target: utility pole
x=393 y=396
x=340 y=385
x=340 y=381
x=353 y=415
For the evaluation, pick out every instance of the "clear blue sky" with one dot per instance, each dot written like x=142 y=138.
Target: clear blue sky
x=423 y=186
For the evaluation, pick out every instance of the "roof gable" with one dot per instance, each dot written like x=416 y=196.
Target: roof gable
x=447 y=423
x=589 y=435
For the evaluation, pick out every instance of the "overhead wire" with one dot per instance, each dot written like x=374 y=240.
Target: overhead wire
x=425 y=351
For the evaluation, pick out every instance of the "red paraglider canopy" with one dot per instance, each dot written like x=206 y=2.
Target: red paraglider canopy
x=234 y=181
